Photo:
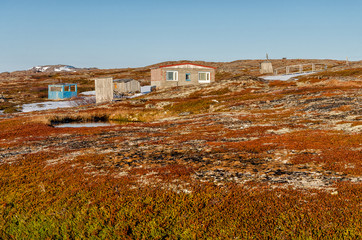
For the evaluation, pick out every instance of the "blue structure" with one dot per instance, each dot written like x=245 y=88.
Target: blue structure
x=62 y=91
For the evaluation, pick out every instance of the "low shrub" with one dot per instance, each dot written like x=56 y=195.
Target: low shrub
x=12 y=109
x=192 y=106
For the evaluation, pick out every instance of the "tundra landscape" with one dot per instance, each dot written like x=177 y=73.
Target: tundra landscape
x=240 y=158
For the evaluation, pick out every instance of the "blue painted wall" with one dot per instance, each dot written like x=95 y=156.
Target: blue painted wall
x=63 y=91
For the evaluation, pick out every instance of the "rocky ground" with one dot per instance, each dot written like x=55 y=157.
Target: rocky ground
x=241 y=158
x=302 y=134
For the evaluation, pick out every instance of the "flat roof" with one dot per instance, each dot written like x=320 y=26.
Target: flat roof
x=62 y=84
x=123 y=80
x=172 y=65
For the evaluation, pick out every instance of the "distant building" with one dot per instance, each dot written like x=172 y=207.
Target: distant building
x=147 y=89
x=266 y=67
x=182 y=74
x=62 y=91
x=107 y=89
x=126 y=86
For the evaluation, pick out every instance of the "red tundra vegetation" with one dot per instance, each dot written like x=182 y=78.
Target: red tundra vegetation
x=242 y=158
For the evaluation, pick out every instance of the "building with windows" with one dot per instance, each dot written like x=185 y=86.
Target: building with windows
x=62 y=91
x=181 y=74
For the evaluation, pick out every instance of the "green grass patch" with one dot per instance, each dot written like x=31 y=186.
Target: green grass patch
x=190 y=105
x=12 y=109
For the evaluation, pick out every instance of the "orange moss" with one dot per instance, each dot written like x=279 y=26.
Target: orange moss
x=278 y=83
x=337 y=159
x=344 y=108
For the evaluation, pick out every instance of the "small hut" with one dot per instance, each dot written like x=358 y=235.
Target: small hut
x=126 y=86
x=108 y=89
x=62 y=91
x=266 y=66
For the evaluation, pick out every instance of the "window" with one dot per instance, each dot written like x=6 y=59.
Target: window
x=171 y=75
x=188 y=76
x=56 y=89
x=204 y=77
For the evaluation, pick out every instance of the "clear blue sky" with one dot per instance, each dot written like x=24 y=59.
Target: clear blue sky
x=132 y=33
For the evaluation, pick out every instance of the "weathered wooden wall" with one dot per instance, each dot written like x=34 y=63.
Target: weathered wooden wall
x=104 y=89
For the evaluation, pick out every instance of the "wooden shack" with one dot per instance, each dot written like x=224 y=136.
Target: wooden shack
x=108 y=89
x=62 y=91
x=126 y=86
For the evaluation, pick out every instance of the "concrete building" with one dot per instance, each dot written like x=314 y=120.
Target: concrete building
x=62 y=91
x=181 y=75
x=126 y=86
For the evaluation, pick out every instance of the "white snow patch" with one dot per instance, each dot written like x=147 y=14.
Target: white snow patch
x=40 y=68
x=136 y=95
x=284 y=77
x=45 y=106
x=66 y=68
x=57 y=104
x=89 y=93
x=58 y=69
